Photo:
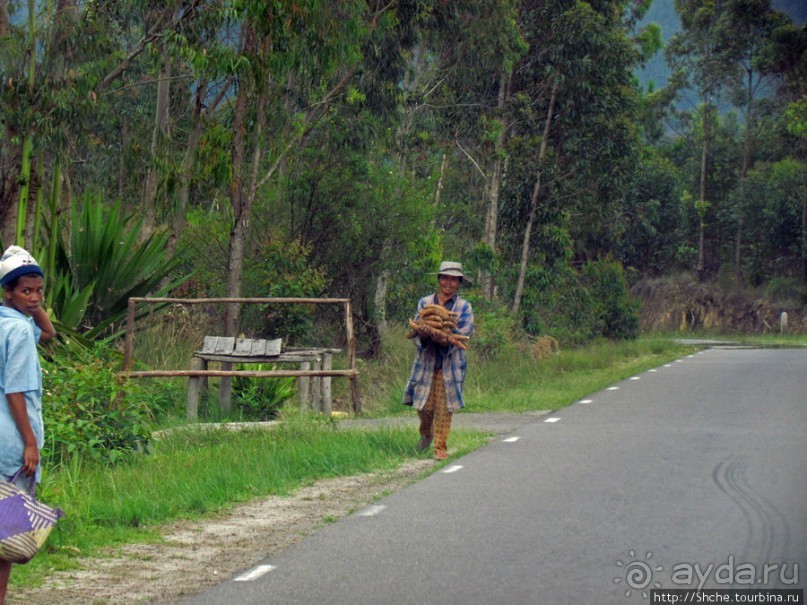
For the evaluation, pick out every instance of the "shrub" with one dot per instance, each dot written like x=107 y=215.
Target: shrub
x=89 y=412
x=616 y=311
x=782 y=289
x=494 y=328
x=579 y=306
x=261 y=398
x=286 y=271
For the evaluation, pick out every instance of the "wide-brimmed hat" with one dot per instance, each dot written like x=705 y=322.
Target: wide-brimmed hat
x=17 y=262
x=451 y=268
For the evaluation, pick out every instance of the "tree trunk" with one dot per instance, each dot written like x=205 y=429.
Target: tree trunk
x=744 y=166
x=707 y=117
x=536 y=193
x=188 y=161
x=380 y=303
x=411 y=81
x=28 y=143
x=438 y=191
x=4 y=23
x=804 y=231
x=493 y=189
x=157 y=135
x=235 y=252
x=240 y=200
x=122 y=167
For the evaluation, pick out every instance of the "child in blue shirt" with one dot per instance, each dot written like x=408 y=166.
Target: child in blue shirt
x=23 y=323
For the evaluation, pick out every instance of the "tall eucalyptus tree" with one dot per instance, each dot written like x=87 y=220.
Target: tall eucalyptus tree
x=787 y=55
x=745 y=30
x=699 y=54
x=576 y=80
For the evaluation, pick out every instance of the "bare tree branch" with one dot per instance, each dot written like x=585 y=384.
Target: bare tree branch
x=153 y=34
x=473 y=161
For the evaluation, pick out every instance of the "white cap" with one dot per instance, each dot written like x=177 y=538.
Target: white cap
x=16 y=262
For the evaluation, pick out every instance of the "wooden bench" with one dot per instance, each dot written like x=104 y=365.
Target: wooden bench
x=314 y=390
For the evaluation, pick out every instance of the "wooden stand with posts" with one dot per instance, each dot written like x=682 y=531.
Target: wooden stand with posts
x=315 y=392
x=315 y=364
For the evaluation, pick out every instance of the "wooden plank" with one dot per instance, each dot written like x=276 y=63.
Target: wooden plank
x=224 y=345
x=257 y=348
x=250 y=359
x=210 y=345
x=244 y=346
x=274 y=347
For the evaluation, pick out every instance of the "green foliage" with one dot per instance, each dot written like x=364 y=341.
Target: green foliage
x=654 y=224
x=785 y=289
x=483 y=257
x=89 y=413
x=107 y=263
x=495 y=329
x=204 y=241
x=773 y=218
x=367 y=110
x=261 y=398
x=616 y=311
x=577 y=307
x=796 y=122
x=285 y=271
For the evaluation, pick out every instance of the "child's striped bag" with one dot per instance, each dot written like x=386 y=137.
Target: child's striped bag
x=25 y=523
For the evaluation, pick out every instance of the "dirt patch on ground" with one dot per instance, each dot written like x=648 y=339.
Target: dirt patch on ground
x=195 y=555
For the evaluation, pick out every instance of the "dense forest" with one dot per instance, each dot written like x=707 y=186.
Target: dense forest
x=343 y=148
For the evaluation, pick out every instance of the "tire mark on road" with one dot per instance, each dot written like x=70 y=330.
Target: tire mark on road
x=767 y=526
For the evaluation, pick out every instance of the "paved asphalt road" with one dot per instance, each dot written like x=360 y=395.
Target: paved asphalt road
x=696 y=469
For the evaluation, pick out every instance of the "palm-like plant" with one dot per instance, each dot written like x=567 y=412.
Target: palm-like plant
x=90 y=282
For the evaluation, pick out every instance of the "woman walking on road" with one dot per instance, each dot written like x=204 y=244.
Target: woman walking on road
x=438 y=372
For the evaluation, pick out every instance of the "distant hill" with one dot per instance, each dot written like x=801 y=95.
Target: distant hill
x=663 y=13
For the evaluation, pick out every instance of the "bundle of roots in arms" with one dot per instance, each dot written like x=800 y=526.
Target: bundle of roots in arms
x=437 y=322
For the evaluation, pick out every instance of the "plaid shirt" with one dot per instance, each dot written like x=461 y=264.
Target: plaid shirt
x=431 y=356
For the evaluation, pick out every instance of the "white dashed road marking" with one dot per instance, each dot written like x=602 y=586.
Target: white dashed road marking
x=550 y=420
x=372 y=511
x=452 y=469
x=511 y=439
x=254 y=574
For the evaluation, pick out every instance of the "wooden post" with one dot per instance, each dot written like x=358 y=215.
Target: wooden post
x=129 y=344
x=226 y=390
x=327 y=364
x=351 y=358
x=196 y=385
x=305 y=385
x=316 y=386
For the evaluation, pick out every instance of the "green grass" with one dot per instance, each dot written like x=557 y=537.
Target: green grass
x=192 y=473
